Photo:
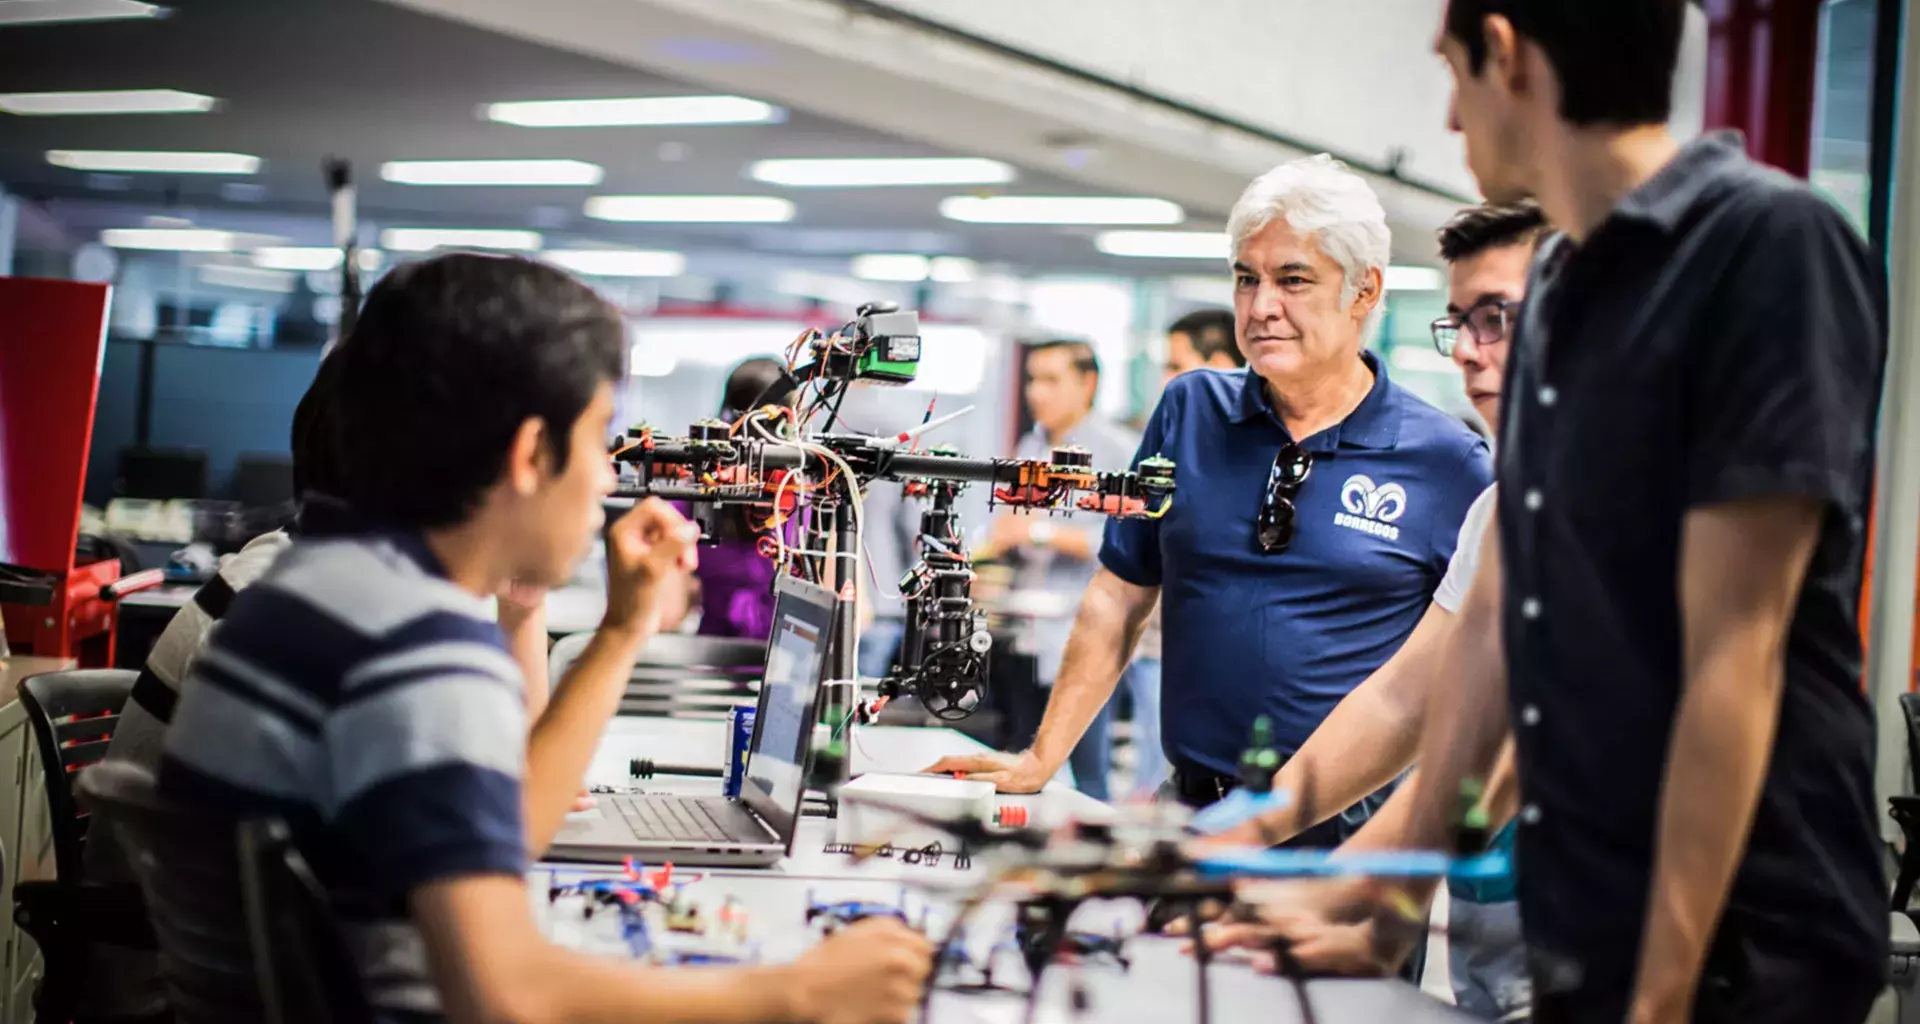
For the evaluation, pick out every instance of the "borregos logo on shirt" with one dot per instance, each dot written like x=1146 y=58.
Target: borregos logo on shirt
x=1371 y=508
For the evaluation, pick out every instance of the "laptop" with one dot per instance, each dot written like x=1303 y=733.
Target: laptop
x=757 y=828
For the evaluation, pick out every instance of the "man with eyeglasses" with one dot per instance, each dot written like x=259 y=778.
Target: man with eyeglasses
x=1373 y=735
x=1318 y=507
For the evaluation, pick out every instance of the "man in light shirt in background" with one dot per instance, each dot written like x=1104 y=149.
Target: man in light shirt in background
x=1057 y=555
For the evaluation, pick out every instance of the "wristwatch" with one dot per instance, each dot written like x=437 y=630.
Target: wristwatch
x=1041 y=534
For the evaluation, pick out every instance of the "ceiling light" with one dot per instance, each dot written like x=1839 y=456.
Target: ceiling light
x=169 y=239
x=311 y=257
x=1061 y=210
x=953 y=270
x=692 y=209
x=890 y=266
x=255 y=278
x=618 y=262
x=30 y=12
x=1178 y=245
x=636 y=110
x=492 y=172
x=127 y=101
x=864 y=173
x=126 y=161
x=1415 y=279
x=429 y=239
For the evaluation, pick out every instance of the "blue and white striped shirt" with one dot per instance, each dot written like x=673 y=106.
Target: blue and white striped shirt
x=360 y=695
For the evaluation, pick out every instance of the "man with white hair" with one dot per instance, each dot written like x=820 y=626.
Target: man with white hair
x=1317 y=508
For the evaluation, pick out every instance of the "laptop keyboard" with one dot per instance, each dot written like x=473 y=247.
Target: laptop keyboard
x=686 y=819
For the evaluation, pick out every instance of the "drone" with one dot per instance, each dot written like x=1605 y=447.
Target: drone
x=803 y=490
x=1144 y=854
x=649 y=905
x=833 y=916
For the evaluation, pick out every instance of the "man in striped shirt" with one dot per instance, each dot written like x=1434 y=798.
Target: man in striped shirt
x=361 y=690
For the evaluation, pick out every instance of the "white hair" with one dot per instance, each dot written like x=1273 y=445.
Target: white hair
x=1323 y=200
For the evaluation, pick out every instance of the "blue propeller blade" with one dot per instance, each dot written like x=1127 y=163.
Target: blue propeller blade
x=1237 y=808
x=1379 y=864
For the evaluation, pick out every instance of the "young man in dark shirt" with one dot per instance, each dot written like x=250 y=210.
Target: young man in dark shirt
x=1667 y=620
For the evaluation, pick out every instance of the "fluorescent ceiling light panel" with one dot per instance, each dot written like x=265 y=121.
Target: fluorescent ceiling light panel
x=255 y=278
x=1415 y=279
x=869 y=173
x=618 y=262
x=125 y=101
x=692 y=209
x=1177 y=245
x=310 y=257
x=492 y=172
x=889 y=266
x=169 y=239
x=31 y=12
x=635 y=110
x=953 y=270
x=132 y=162
x=1061 y=210
x=429 y=239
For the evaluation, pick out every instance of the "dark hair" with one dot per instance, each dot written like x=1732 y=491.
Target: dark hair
x=449 y=357
x=1210 y=332
x=317 y=462
x=759 y=381
x=1476 y=229
x=1615 y=58
x=1079 y=352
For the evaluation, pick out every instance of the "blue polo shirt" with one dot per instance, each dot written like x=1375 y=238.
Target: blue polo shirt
x=1287 y=635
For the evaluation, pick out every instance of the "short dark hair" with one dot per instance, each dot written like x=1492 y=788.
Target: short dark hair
x=317 y=463
x=1615 y=58
x=1079 y=352
x=1476 y=229
x=449 y=357
x=1210 y=332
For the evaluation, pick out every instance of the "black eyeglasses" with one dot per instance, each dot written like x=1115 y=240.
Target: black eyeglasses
x=1487 y=321
x=1290 y=469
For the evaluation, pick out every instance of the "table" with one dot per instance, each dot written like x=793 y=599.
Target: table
x=1160 y=987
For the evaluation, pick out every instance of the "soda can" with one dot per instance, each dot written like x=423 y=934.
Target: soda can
x=739 y=735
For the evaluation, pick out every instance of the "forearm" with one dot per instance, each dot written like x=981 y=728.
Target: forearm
x=1715 y=767
x=1111 y=617
x=565 y=737
x=561 y=987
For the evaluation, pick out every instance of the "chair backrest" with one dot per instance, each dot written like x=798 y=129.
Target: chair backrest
x=1910 y=709
x=188 y=867
x=680 y=676
x=307 y=976
x=73 y=715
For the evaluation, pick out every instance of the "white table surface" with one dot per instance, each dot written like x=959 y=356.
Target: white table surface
x=1159 y=988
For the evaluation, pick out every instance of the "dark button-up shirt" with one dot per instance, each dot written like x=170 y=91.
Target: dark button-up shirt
x=1287 y=635
x=1720 y=337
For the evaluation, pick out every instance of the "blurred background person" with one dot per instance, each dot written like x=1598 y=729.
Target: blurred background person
x=1056 y=556
x=734 y=584
x=1202 y=339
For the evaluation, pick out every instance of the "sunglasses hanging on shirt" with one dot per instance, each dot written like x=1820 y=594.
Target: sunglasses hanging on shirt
x=1275 y=527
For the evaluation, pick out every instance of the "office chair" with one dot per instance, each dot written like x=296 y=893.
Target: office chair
x=680 y=676
x=187 y=863
x=1905 y=810
x=306 y=974
x=73 y=716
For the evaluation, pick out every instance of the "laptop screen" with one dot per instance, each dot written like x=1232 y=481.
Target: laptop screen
x=783 y=726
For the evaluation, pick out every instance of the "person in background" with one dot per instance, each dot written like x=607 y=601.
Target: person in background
x=735 y=581
x=1371 y=737
x=358 y=689
x=1056 y=555
x=1317 y=508
x=1202 y=339
x=1667 y=627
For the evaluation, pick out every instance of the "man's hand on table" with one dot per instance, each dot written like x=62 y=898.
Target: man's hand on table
x=1009 y=773
x=871 y=972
